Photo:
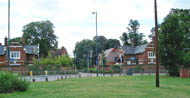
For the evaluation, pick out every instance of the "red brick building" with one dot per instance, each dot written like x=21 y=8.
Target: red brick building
x=20 y=55
x=58 y=52
x=142 y=54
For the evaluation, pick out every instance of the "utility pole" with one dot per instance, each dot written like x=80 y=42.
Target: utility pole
x=8 y=50
x=156 y=43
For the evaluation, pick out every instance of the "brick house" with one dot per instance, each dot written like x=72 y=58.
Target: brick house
x=142 y=54
x=58 y=52
x=20 y=55
x=112 y=56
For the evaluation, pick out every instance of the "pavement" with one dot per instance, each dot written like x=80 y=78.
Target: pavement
x=79 y=75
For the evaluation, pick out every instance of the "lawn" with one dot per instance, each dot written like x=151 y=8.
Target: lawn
x=108 y=87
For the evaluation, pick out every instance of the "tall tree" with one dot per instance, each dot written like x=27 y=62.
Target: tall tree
x=173 y=39
x=42 y=33
x=18 y=39
x=133 y=37
x=83 y=51
x=112 y=43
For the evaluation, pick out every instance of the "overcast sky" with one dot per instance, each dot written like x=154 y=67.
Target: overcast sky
x=74 y=21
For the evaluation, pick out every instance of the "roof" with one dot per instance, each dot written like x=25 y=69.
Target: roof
x=136 y=50
x=107 y=52
x=2 y=50
x=58 y=52
x=32 y=49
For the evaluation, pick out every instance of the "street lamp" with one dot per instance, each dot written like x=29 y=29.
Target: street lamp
x=96 y=45
x=8 y=50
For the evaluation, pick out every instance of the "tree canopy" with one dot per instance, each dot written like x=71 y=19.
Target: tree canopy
x=42 y=33
x=133 y=37
x=173 y=39
x=86 y=49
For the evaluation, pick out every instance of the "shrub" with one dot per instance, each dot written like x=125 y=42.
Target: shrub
x=116 y=68
x=10 y=83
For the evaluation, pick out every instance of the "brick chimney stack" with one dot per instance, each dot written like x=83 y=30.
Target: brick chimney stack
x=6 y=41
x=23 y=43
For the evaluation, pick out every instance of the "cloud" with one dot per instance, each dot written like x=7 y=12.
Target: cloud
x=74 y=21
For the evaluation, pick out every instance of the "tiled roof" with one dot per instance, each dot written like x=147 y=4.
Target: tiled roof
x=136 y=50
x=107 y=52
x=2 y=50
x=32 y=49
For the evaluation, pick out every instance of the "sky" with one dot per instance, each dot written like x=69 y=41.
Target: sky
x=74 y=21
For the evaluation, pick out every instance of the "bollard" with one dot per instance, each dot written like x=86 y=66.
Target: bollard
x=33 y=80
x=79 y=75
x=111 y=74
x=103 y=74
x=58 y=78
x=90 y=74
x=46 y=79
x=31 y=73
x=61 y=77
x=65 y=76
x=70 y=76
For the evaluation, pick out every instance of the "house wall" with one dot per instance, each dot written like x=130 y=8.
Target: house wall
x=18 y=61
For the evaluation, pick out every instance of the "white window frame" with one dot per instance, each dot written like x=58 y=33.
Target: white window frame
x=151 y=55
x=15 y=54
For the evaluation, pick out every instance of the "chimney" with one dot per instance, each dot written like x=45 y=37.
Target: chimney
x=0 y=44
x=23 y=43
x=6 y=41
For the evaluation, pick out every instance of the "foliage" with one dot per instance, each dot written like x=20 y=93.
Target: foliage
x=173 y=39
x=18 y=39
x=116 y=67
x=49 y=63
x=86 y=50
x=186 y=60
x=133 y=37
x=10 y=83
x=42 y=33
x=137 y=69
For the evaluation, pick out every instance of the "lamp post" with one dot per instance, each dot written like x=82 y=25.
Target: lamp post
x=8 y=50
x=96 y=45
x=156 y=44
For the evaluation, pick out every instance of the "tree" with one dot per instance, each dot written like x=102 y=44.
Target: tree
x=133 y=37
x=18 y=39
x=153 y=32
x=42 y=33
x=82 y=51
x=173 y=38
x=112 y=43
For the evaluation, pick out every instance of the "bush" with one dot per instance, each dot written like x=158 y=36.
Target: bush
x=10 y=83
x=116 y=68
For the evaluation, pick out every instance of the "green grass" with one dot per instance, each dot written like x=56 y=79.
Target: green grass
x=108 y=87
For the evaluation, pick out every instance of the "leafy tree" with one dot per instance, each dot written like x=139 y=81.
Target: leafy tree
x=173 y=39
x=112 y=43
x=42 y=33
x=83 y=50
x=18 y=39
x=153 y=32
x=133 y=37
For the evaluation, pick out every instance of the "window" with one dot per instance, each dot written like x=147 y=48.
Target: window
x=151 y=55
x=128 y=62
x=15 y=54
